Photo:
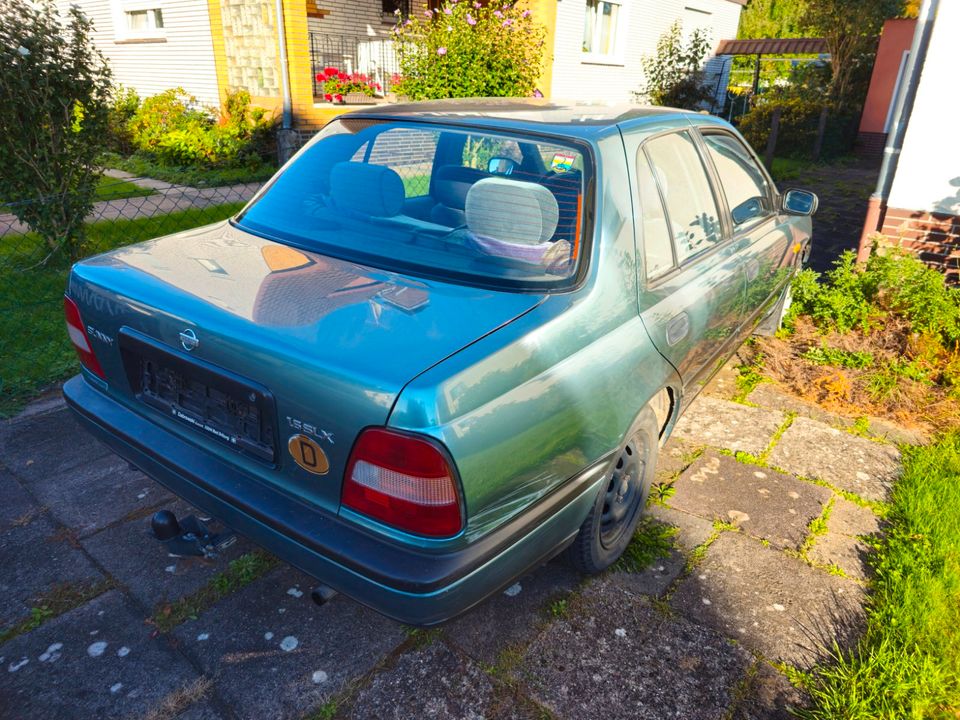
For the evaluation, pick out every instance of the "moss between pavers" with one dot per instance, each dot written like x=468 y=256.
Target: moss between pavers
x=55 y=602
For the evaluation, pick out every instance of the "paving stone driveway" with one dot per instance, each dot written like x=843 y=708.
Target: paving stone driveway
x=755 y=580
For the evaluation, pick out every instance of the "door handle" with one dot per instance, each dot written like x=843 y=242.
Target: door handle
x=677 y=328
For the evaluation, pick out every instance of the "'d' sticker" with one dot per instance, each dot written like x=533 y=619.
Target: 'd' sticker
x=308 y=455
x=562 y=162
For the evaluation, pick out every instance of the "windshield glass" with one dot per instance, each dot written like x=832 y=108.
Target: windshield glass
x=457 y=203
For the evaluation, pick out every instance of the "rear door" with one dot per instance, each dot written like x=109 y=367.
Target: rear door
x=692 y=289
x=769 y=255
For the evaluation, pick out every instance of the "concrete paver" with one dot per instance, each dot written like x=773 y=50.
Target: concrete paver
x=772 y=603
x=841 y=545
x=17 y=507
x=513 y=615
x=763 y=502
x=89 y=497
x=130 y=553
x=274 y=654
x=432 y=682
x=811 y=449
x=616 y=656
x=729 y=425
x=33 y=561
x=97 y=661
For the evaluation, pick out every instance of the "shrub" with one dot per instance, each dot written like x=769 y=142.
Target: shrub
x=124 y=103
x=799 y=117
x=894 y=283
x=468 y=49
x=170 y=128
x=54 y=107
x=674 y=74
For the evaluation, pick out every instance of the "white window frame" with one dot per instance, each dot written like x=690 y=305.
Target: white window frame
x=619 y=37
x=123 y=33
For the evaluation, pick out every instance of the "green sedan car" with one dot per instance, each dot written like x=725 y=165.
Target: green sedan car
x=445 y=342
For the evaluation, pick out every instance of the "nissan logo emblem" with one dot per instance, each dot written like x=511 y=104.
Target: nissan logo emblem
x=189 y=340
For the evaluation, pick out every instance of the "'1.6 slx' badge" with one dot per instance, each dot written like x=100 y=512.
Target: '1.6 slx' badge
x=308 y=454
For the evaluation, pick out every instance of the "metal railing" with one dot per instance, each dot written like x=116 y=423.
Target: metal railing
x=372 y=55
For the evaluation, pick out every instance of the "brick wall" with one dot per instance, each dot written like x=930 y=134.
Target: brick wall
x=933 y=237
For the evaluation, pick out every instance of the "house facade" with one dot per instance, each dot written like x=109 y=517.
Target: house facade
x=922 y=211
x=210 y=47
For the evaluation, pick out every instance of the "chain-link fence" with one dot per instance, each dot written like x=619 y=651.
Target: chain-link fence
x=34 y=351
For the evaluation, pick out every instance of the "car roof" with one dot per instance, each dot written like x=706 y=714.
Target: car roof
x=532 y=114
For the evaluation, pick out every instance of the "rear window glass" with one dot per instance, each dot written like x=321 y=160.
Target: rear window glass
x=459 y=204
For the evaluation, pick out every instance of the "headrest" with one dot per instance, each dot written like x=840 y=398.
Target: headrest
x=366 y=189
x=451 y=183
x=512 y=211
x=330 y=151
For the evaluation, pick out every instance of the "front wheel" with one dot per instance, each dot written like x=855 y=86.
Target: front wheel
x=609 y=527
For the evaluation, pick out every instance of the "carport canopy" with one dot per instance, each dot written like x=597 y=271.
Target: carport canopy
x=771 y=46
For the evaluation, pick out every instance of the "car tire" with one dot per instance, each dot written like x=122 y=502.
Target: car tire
x=609 y=527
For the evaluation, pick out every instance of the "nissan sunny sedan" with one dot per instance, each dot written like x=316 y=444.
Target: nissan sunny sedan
x=444 y=343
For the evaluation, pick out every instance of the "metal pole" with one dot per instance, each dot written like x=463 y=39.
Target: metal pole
x=284 y=69
x=903 y=107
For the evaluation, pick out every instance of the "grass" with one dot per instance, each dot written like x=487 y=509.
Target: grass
x=109 y=188
x=53 y=603
x=144 y=166
x=240 y=573
x=907 y=663
x=34 y=350
x=651 y=541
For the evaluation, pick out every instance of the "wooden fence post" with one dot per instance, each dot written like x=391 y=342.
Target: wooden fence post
x=772 y=138
x=821 y=130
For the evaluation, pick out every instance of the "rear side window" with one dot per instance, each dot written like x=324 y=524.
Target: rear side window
x=744 y=184
x=657 y=248
x=682 y=178
x=447 y=202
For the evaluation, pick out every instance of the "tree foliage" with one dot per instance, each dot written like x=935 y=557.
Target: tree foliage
x=772 y=19
x=470 y=49
x=54 y=115
x=851 y=30
x=673 y=76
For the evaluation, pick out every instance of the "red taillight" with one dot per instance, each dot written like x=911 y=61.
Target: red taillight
x=79 y=338
x=404 y=481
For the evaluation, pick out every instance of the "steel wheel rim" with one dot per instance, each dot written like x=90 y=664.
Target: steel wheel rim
x=623 y=494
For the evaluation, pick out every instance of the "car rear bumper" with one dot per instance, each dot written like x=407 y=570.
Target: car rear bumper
x=412 y=585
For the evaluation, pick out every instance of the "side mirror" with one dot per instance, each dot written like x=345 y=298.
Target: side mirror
x=501 y=165
x=799 y=202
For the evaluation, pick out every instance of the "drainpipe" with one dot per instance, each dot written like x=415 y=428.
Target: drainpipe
x=284 y=137
x=902 y=109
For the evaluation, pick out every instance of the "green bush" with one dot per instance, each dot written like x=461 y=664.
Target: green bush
x=894 y=283
x=799 y=118
x=124 y=104
x=54 y=105
x=170 y=128
x=467 y=49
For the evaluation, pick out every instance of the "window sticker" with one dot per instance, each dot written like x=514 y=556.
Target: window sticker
x=562 y=162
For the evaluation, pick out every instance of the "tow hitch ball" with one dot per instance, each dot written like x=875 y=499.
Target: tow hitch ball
x=189 y=536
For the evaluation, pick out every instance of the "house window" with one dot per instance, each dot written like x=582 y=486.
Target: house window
x=138 y=21
x=144 y=20
x=600 y=27
x=390 y=7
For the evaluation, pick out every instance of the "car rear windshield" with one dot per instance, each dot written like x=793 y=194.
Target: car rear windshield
x=461 y=204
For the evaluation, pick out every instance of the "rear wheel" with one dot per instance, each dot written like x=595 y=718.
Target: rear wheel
x=609 y=527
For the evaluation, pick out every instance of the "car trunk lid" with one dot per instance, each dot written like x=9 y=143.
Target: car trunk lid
x=249 y=346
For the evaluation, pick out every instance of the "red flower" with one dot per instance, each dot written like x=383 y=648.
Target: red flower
x=342 y=76
x=338 y=97
x=328 y=97
x=321 y=77
x=330 y=70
